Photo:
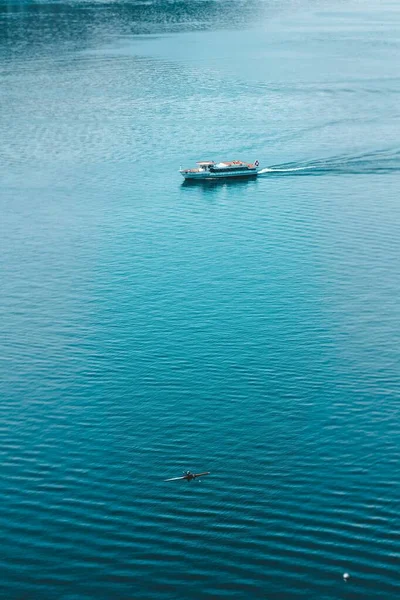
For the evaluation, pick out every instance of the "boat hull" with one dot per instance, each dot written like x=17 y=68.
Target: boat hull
x=206 y=175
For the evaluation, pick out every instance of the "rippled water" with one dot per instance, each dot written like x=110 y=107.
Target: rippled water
x=247 y=328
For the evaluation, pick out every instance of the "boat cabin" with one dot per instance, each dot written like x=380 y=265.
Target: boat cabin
x=228 y=166
x=205 y=165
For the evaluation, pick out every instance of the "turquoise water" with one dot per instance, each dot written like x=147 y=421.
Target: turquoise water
x=148 y=327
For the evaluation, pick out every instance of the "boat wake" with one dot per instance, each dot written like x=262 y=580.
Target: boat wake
x=383 y=161
x=283 y=169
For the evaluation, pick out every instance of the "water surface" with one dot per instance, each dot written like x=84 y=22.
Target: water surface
x=246 y=328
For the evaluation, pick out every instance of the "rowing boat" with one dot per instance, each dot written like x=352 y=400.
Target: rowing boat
x=188 y=476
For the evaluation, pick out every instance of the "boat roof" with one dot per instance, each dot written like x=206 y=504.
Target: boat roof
x=223 y=165
x=231 y=163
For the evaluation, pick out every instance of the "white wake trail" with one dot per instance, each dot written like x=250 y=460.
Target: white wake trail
x=287 y=170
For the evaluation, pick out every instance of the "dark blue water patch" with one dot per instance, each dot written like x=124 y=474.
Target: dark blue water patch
x=35 y=25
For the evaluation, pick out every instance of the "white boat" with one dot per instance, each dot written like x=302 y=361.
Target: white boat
x=208 y=169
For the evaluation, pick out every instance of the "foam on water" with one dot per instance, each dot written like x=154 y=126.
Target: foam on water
x=380 y=161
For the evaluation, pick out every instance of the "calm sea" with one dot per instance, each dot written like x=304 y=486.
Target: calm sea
x=250 y=329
